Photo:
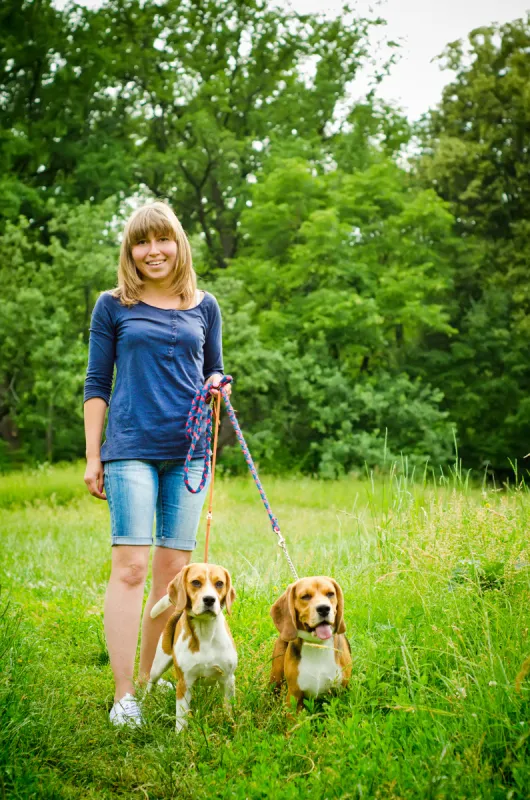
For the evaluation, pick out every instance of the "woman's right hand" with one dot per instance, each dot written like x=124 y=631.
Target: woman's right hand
x=95 y=478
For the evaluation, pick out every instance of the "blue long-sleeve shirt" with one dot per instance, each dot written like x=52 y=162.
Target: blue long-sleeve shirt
x=162 y=357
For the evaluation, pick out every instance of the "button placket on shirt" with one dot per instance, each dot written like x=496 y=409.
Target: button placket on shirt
x=173 y=337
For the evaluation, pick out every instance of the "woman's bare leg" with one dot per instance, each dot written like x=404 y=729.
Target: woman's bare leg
x=123 y=609
x=166 y=564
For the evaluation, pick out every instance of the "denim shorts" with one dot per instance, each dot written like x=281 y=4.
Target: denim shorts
x=137 y=489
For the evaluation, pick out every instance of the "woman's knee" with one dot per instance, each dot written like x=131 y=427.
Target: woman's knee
x=167 y=564
x=130 y=569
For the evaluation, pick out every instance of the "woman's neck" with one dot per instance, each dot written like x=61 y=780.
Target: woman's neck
x=160 y=294
x=164 y=298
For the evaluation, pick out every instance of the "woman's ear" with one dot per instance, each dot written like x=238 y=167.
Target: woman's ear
x=230 y=595
x=177 y=590
x=340 y=627
x=283 y=614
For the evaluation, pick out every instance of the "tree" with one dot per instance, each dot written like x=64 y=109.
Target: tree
x=477 y=157
x=178 y=99
x=220 y=87
x=49 y=292
x=64 y=134
x=340 y=278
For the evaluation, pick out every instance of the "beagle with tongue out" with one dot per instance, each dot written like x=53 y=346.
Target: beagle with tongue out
x=311 y=652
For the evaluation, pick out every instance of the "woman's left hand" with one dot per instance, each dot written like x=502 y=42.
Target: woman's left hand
x=213 y=384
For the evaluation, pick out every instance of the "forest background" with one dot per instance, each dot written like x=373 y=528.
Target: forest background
x=373 y=275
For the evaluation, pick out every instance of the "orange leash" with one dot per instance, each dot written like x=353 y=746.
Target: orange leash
x=217 y=417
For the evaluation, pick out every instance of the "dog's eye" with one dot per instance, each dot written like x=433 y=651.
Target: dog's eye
x=219 y=585
x=330 y=594
x=196 y=583
x=306 y=596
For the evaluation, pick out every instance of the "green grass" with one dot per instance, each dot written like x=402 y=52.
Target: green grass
x=437 y=588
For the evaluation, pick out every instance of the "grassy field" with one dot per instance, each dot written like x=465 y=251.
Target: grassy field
x=437 y=586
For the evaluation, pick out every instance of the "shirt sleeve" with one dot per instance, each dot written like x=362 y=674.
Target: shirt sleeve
x=213 y=343
x=101 y=351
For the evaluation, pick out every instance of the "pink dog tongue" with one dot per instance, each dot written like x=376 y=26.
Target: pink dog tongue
x=323 y=631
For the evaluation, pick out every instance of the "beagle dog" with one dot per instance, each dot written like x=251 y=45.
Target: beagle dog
x=197 y=637
x=311 y=652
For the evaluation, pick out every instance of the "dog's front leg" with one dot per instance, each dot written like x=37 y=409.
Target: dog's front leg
x=183 y=702
x=229 y=687
x=294 y=693
x=161 y=662
x=278 y=668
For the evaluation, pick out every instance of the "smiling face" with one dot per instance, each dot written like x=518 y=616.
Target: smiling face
x=314 y=605
x=155 y=258
x=202 y=589
x=155 y=255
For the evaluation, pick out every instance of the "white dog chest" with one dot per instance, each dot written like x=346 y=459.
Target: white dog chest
x=318 y=671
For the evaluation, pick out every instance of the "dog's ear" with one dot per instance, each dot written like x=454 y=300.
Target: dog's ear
x=177 y=590
x=284 y=615
x=230 y=595
x=340 y=627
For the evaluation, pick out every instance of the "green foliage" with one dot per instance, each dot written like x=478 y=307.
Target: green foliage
x=49 y=292
x=340 y=278
x=179 y=99
x=477 y=144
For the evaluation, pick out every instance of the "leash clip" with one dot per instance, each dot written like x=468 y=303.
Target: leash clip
x=281 y=540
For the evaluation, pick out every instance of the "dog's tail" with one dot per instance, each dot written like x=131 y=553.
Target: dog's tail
x=163 y=604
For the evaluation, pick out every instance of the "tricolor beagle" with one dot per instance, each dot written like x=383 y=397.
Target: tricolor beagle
x=196 y=638
x=311 y=653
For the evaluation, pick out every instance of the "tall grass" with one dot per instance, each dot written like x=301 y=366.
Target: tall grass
x=437 y=583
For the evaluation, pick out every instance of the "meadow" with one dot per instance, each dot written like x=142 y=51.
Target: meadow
x=436 y=576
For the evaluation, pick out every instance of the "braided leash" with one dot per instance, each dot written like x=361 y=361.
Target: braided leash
x=199 y=423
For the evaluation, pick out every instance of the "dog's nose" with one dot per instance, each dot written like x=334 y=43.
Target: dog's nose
x=323 y=610
x=208 y=600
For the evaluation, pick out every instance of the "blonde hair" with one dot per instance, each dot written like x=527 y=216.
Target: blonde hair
x=155 y=219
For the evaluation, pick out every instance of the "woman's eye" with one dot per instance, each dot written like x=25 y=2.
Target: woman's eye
x=306 y=597
x=219 y=585
x=141 y=241
x=196 y=583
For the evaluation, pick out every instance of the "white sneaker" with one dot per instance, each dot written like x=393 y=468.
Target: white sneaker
x=126 y=711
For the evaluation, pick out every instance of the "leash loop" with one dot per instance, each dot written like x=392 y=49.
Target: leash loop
x=200 y=422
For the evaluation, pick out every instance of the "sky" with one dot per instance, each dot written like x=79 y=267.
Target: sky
x=423 y=28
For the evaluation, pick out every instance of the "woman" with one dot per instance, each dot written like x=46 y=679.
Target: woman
x=164 y=336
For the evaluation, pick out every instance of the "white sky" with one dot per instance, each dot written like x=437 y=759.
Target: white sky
x=423 y=28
